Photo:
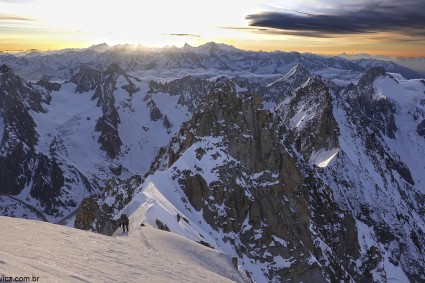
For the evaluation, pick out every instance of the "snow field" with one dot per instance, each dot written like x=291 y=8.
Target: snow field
x=60 y=254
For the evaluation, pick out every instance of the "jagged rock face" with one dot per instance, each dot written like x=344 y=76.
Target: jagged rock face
x=261 y=195
x=86 y=214
x=49 y=85
x=374 y=119
x=97 y=214
x=191 y=90
x=107 y=125
x=20 y=164
x=279 y=89
x=90 y=216
x=86 y=79
x=370 y=111
x=371 y=181
x=273 y=93
x=104 y=84
x=309 y=116
x=155 y=113
x=336 y=227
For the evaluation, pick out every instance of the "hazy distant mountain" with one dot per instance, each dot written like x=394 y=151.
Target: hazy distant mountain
x=416 y=64
x=207 y=61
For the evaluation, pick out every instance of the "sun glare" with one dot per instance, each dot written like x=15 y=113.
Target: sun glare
x=153 y=23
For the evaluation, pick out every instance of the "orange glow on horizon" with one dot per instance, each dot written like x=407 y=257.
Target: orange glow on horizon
x=410 y=51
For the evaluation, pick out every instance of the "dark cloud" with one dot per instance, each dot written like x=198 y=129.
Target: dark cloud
x=405 y=17
x=185 y=34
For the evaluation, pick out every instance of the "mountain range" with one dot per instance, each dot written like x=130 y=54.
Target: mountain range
x=300 y=167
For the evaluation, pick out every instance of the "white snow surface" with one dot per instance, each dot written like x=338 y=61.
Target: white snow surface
x=407 y=96
x=61 y=254
x=72 y=117
x=322 y=157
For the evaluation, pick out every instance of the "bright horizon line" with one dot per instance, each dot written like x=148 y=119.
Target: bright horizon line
x=257 y=49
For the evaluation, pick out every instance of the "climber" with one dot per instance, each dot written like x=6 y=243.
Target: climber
x=124 y=222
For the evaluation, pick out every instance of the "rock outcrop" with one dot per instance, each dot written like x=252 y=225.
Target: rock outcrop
x=261 y=202
x=97 y=213
x=308 y=113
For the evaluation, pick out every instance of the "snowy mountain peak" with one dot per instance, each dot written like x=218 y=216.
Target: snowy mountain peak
x=210 y=47
x=102 y=47
x=187 y=47
x=279 y=89
x=297 y=74
x=215 y=48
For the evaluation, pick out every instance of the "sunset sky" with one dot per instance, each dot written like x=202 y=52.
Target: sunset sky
x=390 y=27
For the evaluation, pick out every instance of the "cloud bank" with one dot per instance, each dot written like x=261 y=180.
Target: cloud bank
x=405 y=17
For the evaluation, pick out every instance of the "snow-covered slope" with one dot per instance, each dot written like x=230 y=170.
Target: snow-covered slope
x=82 y=133
x=55 y=253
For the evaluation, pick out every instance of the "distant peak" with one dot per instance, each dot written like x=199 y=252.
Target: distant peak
x=210 y=44
x=99 y=47
x=186 y=46
x=216 y=47
x=298 y=72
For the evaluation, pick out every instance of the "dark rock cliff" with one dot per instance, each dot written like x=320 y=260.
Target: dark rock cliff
x=20 y=164
x=265 y=199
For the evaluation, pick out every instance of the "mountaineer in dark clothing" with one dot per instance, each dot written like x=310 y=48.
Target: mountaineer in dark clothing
x=124 y=222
